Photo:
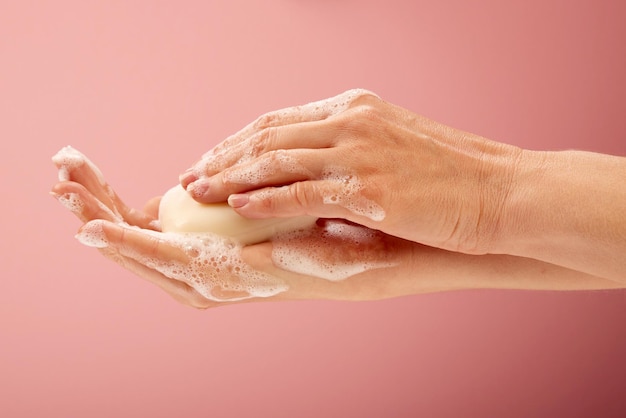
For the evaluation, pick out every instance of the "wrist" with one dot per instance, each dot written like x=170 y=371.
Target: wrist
x=522 y=219
x=564 y=208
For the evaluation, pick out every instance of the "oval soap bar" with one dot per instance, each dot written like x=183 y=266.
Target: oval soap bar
x=179 y=212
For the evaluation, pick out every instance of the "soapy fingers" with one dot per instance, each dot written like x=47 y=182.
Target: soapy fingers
x=211 y=265
x=126 y=247
x=311 y=136
x=199 y=270
x=330 y=198
x=75 y=167
x=118 y=246
x=81 y=202
x=310 y=112
x=181 y=292
x=273 y=168
x=272 y=131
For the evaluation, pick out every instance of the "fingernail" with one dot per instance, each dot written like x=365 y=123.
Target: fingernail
x=238 y=200
x=198 y=188
x=92 y=235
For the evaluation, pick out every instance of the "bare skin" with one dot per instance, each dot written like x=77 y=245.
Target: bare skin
x=130 y=237
x=426 y=182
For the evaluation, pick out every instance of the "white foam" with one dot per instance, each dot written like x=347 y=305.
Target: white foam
x=239 y=144
x=209 y=162
x=349 y=194
x=212 y=162
x=213 y=268
x=280 y=162
x=72 y=202
x=321 y=109
x=215 y=265
x=68 y=159
x=333 y=252
x=92 y=235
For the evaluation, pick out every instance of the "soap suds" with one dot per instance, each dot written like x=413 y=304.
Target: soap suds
x=334 y=251
x=68 y=159
x=264 y=168
x=92 y=235
x=322 y=109
x=237 y=148
x=349 y=195
x=214 y=266
x=72 y=202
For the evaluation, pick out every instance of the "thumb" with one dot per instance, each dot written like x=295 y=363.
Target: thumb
x=313 y=198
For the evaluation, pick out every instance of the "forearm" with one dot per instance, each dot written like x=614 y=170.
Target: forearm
x=421 y=269
x=439 y=270
x=568 y=208
x=492 y=271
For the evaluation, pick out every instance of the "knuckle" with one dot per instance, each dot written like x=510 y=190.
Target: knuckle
x=302 y=194
x=270 y=138
x=226 y=182
x=275 y=157
x=263 y=141
x=368 y=111
x=256 y=145
x=357 y=97
x=269 y=200
x=230 y=141
x=265 y=121
x=364 y=118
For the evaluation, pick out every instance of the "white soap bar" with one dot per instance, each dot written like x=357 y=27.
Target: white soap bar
x=179 y=212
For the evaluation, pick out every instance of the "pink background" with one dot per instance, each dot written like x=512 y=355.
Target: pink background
x=144 y=88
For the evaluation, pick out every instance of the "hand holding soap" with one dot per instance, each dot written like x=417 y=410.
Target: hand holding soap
x=179 y=212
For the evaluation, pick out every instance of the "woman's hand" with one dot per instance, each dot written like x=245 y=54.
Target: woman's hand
x=359 y=158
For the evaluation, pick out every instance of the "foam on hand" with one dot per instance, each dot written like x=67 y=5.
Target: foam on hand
x=214 y=159
x=212 y=265
x=334 y=251
x=179 y=212
x=349 y=194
